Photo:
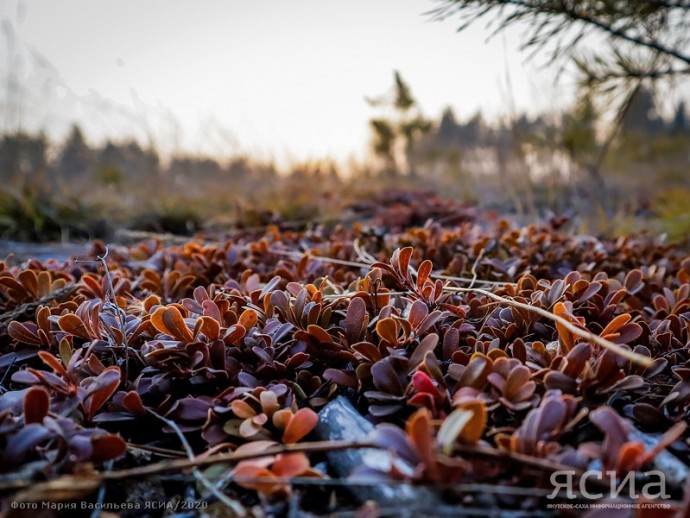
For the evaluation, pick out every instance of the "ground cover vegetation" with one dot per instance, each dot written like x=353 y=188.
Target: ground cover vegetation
x=321 y=343
x=488 y=355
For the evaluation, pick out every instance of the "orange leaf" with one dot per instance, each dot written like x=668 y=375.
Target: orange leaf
x=290 y=465
x=107 y=447
x=387 y=329
x=209 y=327
x=630 y=457
x=473 y=431
x=234 y=334
x=245 y=475
x=95 y=364
x=404 y=257
x=566 y=337
x=43 y=283
x=419 y=429
x=151 y=301
x=169 y=320
x=281 y=418
x=423 y=273
x=303 y=422
x=72 y=325
x=157 y=320
x=319 y=333
x=173 y=320
x=615 y=325
x=42 y=318
x=52 y=362
x=248 y=318
x=242 y=409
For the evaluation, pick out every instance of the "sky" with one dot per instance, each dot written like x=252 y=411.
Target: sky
x=283 y=80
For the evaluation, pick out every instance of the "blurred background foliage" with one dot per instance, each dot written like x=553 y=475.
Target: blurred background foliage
x=525 y=166
x=611 y=162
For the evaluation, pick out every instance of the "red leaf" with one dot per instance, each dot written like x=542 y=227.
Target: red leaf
x=36 y=405
x=248 y=318
x=303 y=422
x=23 y=334
x=422 y=383
x=52 y=362
x=615 y=324
x=354 y=322
x=169 y=320
x=132 y=402
x=107 y=447
x=73 y=325
x=290 y=465
x=100 y=391
x=423 y=273
x=387 y=329
x=404 y=257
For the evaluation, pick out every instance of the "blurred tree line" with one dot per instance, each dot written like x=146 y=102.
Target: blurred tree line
x=568 y=162
x=523 y=164
x=113 y=164
x=407 y=142
x=76 y=189
x=621 y=51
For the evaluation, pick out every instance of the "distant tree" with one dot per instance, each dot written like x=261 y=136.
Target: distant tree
x=453 y=134
x=679 y=124
x=637 y=43
x=23 y=156
x=641 y=117
x=76 y=157
x=472 y=132
x=395 y=135
x=130 y=159
x=383 y=144
x=579 y=132
x=447 y=132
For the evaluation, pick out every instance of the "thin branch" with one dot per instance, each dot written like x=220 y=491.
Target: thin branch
x=362 y=253
x=673 y=5
x=561 y=9
x=235 y=507
x=651 y=44
x=185 y=464
x=101 y=494
x=298 y=255
x=112 y=307
x=595 y=168
x=474 y=267
x=638 y=359
x=30 y=307
x=637 y=74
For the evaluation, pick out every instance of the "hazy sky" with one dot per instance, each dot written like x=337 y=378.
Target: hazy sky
x=282 y=78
